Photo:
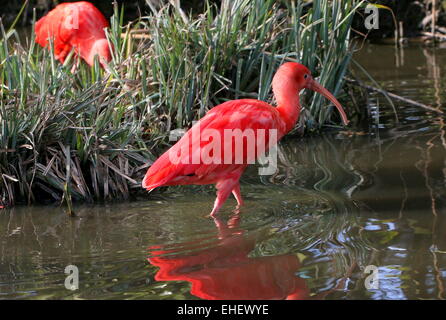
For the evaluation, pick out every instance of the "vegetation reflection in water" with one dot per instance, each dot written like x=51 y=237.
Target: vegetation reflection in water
x=337 y=204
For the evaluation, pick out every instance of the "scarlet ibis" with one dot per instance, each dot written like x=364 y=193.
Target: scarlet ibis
x=246 y=115
x=79 y=25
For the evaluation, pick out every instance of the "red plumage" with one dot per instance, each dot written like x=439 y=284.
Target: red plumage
x=229 y=115
x=79 y=25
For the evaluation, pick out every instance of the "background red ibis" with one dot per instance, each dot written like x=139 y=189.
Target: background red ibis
x=79 y=25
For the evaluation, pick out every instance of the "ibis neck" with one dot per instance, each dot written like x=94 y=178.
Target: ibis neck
x=289 y=109
x=92 y=48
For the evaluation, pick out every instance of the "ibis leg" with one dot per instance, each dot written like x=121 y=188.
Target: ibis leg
x=237 y=194
x=224 y=189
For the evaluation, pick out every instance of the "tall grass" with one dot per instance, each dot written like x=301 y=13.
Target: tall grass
x=92 y=134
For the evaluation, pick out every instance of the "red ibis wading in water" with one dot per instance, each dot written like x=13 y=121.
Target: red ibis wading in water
x=75 y=25
x=187 y=162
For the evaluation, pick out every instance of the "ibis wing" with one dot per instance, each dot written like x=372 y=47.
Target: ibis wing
x=230 y=135
x=54 y=26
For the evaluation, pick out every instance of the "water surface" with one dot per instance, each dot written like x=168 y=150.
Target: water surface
x=338 y=204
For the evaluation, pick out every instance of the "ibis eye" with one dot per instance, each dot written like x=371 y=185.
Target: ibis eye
x=305 y=76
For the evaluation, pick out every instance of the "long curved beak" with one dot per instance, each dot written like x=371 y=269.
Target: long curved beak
x=316 y=86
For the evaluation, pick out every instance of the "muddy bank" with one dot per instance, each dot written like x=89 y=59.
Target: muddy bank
x=406 y=19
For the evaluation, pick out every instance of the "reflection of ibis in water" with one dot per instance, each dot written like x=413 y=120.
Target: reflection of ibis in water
x=225 y=271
